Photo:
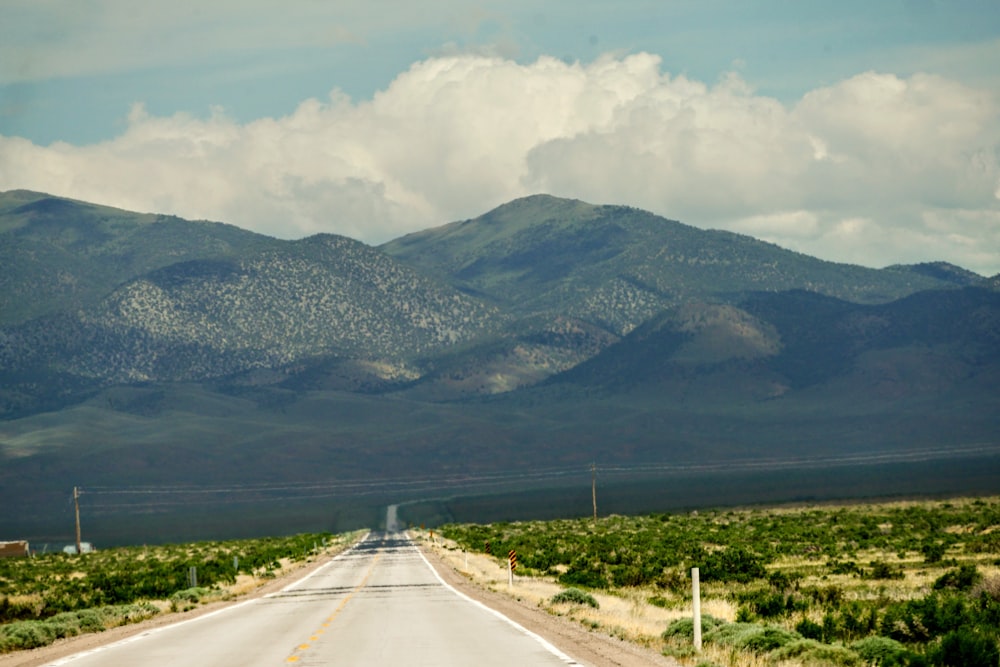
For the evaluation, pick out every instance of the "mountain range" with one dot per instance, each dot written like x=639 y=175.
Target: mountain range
x=140 y=349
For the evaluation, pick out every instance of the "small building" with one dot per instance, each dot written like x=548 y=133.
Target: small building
x=85 y=548
x=16 y=549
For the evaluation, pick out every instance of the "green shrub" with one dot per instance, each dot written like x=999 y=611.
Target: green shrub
x=811 y=652
x=770 y=639
x=809 y=629
x=22 y=635
x=190 y=595
x=933 y=552
x=683 y=628
x=575 y=596
x=583 y=574
x=882 y=651
x=751 y=636
x=733 y=564
x=966 y=648
x=963 y=578
x=882 y=570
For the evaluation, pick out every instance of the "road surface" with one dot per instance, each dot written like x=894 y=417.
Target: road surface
x=379 y=603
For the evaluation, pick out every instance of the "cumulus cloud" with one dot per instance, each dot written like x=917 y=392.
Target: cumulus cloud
x=875 y=169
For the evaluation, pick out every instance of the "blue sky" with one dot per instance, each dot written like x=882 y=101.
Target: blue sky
x=854 y=131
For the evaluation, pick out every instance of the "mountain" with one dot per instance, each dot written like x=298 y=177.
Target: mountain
x=139 y=349
x=779 y=345
x=58 y=254
x=154 y=300
x=617 y=266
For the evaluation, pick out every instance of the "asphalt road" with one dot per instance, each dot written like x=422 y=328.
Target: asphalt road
x=378 y=604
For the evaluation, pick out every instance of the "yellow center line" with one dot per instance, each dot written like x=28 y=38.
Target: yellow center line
x=340 y=607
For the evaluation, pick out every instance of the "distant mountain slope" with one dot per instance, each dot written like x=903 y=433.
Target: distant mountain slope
x=58 y=254
x=617 y=266
x=933 y=343
x=94 y=295
x=201 y=319
x=942 y=271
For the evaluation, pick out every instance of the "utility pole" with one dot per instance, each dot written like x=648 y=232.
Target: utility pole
x=76 y=503
x=593 y=487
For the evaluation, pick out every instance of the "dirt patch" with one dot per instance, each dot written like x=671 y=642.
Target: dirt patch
x=480 y=578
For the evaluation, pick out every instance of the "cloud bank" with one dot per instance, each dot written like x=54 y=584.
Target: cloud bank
x=875 y=169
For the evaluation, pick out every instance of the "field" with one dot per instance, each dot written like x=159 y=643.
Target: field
x=906 y=583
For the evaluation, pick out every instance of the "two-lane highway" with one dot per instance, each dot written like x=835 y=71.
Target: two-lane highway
x=379 y=603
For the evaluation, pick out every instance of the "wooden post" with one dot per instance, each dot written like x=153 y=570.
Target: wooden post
x=696 y=603
x=76 y=504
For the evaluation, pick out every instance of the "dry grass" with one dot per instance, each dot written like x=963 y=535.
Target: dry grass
x=624 y=614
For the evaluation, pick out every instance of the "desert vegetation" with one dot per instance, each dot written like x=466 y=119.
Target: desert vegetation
x=57 y=595
x=909 y=583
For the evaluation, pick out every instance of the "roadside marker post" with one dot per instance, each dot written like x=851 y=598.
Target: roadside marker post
x=696 y=605
x=511 y=566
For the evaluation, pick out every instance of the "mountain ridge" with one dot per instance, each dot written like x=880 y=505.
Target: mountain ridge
x=547 y=332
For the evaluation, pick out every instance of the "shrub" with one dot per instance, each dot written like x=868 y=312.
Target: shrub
x=190 y=595
x=750 y=636
x=683 y=628
x=733 y=564
x=933 y=552
x=966 y=648
x=811 y=652
x=882 y=570
x=575 y=596
x=770 y=639
x=582 y=574
x=961 y=579
x=25 y=634
x=809 y=629
x=882 y=651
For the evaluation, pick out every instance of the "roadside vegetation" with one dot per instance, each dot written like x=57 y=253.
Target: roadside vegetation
x=909 y=583
x=57 y=595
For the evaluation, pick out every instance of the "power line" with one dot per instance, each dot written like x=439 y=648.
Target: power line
x=177 y=495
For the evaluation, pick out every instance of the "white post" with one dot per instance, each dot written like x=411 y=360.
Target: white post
x=696 y=600
x=510 y=575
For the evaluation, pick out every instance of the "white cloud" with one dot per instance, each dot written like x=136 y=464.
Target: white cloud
x=876 y=169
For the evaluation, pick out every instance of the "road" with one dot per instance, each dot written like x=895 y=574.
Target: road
x=379 y=603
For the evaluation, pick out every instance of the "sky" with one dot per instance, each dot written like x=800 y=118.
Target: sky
x=862 y=132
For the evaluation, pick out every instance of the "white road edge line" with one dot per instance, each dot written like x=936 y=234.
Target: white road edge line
x=538 y=638
x=147 y=633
